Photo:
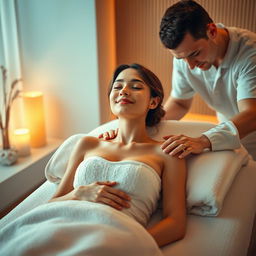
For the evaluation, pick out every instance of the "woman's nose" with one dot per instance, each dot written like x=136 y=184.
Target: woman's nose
x=124 y=91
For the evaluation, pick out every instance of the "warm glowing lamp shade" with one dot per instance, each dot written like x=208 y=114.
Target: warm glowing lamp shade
x=34 y=115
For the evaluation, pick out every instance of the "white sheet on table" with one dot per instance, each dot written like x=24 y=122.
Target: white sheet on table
x=76 y=228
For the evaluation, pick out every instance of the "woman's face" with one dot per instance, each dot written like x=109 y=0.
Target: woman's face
x=130 y=96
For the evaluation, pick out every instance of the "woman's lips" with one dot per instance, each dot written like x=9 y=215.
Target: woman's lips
x=125 y=101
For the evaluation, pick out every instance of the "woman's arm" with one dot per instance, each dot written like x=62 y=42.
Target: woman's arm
x=173 y=225
x=65 y=188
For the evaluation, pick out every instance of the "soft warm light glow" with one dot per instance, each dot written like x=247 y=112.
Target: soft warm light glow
x=200 y=117
x=33 y=94
x=22 y=141
x=34 y=116
x=21 y=131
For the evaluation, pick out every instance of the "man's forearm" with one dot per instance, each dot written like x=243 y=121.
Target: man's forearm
x=245 y=123
x=174 y=110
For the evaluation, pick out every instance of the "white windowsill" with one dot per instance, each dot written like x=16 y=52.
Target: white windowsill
x=18 y=179
x=24 y=162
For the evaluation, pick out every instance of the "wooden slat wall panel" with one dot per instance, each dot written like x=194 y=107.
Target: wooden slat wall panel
x=106 y=39
x=137 y=27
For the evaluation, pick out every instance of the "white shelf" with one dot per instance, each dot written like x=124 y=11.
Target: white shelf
x=27 y=173
x=7 y=172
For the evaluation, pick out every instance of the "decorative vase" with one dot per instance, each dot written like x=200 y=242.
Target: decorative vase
x=8 y=156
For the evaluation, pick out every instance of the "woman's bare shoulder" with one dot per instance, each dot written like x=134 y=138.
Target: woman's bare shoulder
x=88 y=142
x=167 y=159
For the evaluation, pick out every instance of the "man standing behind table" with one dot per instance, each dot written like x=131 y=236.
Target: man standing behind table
x=219 y=63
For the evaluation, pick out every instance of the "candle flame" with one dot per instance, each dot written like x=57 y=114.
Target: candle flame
x=21 y=131
x=32 y=94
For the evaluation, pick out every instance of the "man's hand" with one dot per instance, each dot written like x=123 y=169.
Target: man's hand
x=108 y=135
x=183 y=145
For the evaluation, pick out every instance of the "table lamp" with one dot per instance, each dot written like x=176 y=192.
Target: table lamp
x=34 y=116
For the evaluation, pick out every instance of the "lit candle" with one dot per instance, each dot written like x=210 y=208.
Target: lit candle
x=22 y=141
x=34 y=116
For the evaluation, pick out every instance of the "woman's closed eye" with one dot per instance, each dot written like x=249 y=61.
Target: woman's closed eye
x=136 y=87
x=117 y=87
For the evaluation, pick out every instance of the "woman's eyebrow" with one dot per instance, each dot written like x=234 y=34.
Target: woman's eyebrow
x=119 y=80
x=137 y=80
x=132 y=80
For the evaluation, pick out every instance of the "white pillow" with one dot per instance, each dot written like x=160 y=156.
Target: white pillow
x=210 y=174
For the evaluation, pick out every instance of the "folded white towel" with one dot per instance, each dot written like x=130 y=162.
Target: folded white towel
x=209 y=179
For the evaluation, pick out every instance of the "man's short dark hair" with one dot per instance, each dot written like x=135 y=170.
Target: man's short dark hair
x=182 y=17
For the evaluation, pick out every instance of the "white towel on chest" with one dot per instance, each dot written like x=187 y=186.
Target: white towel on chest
x=137 y=179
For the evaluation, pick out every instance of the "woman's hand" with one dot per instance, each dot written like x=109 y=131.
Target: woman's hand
x=103 y=192
x=111 y=134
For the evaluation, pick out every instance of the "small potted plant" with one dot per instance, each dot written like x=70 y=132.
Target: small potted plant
x=8 y=155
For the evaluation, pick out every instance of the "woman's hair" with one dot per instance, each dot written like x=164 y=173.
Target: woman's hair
x=182 y=17
x=156 y=90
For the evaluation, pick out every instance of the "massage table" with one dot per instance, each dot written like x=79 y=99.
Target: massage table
x=221 y=195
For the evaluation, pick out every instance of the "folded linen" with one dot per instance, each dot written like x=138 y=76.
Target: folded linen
x=210 y=174
x=209 y=179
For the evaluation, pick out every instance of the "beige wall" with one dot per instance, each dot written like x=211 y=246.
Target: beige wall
x=59 y=57
x=137 y=40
